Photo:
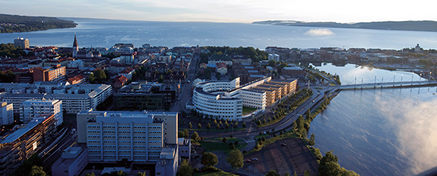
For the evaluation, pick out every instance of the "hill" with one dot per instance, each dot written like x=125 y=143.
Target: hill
x=384 y=25
x=16 y=23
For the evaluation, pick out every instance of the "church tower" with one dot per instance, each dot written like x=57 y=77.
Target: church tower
x=75 y=47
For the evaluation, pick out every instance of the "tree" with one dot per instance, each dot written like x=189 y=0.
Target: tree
x=100 y=74
x=186 y=133
x=190 y=125
x=307 y=173
x=218 y=126
x=272 y=173
x=209 y=159
x=224 y=140
x=271 y=63
x=244 y=124
x=37 y=171
x=199 y=125
x=328 y=165
x=226 y=125
x=312 y=141
x=287 y=174
x=308 y=115
x=208 y=126
x=90 y=174
x=236 y=159
x=185 y=169
x=195 y=136
x=141 y=173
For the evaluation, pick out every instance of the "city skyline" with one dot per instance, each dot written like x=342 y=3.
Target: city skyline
x=225 y=11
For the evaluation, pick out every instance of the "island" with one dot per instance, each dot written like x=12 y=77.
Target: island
x=383 y=25
x=17 y=23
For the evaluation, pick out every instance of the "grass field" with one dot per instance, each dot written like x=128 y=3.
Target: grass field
x=248 y=110
x=217 y=173
x=217 y=145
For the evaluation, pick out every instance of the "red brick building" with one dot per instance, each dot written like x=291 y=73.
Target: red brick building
x=54 y=73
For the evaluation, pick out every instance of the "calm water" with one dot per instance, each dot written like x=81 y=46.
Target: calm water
x=106 y=33
x=374 y=132
x=379 y=132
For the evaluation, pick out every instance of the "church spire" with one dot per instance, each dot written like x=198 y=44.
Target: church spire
x=75 y=41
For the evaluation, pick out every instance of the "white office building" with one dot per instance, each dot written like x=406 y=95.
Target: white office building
x=136 y=136
x=36 y=108
x=225 y=100
x=6 y=113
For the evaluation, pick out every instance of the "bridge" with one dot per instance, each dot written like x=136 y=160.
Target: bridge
x=387 y=85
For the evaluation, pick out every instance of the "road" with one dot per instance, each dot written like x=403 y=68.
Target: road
x=56 y=152
x=185 y=94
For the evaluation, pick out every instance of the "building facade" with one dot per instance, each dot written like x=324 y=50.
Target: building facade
x=54 y=73
x=136 y=136
x=6 y=113
x=23 y=142
x=21 y=42
x=35 y=108
x=75 y=98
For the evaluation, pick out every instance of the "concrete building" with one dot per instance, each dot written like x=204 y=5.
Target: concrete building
x=75 y=98
x=274 y=57
x=184 y=148
x=293 y=71
x=23 y=142
x=72 y=161
x=21 y=42
x=137 y=136
x=145 y=96
x=6 y=113
x=168 y=162
x=54 y=73
x=35 y=108
x=221 y=68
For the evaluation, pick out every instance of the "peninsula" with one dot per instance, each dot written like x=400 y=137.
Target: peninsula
x=17 y=23
x=383 y=25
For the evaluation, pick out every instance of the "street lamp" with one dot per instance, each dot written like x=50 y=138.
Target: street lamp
x=394 y=78
x=375 y=79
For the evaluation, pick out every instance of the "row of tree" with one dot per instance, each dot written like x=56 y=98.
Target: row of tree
x=10 y=50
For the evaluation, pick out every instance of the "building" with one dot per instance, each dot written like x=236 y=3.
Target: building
x=274 y=57
x=23 y=142
x=184 y=148
x=72 y=161
x=21 y=42
x=221 y=68
x=75 y=47
x=75 y=98
x=120 y=81
x=6 y=113
x=136 y=136
x=145 y=96
x=35 y=108
x=128 y=72
x=54 y=73
x=225 y=100
x=293 y=71
x=168 y=162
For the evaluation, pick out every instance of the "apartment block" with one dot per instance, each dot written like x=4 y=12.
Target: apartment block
x=23 y=142
x=137 y=136
x=54 y=73
x=31 y=109
x=6 y=113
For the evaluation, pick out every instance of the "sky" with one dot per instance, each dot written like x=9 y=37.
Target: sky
x=245 y=11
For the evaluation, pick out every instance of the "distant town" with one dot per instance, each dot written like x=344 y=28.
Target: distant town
x=154 y=110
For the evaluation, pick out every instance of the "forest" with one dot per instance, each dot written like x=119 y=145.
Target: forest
x=17 y=23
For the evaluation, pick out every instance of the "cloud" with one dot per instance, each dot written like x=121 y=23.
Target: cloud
x=319 y=32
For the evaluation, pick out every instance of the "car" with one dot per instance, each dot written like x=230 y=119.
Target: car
x=283 y=144
x=248 y=161
x=254 y=159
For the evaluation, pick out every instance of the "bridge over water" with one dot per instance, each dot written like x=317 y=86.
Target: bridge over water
x=404 y=84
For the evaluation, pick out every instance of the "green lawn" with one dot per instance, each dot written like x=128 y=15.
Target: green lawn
x=218 y=145
x=248 y=110
x=217 y=173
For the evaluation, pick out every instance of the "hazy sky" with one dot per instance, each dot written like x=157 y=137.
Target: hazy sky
x=227 y=10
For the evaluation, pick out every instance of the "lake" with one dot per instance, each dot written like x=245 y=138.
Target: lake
x=381 y=131
x=105 y=33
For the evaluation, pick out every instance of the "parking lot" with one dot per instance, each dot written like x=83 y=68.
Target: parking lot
x=292 y=156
